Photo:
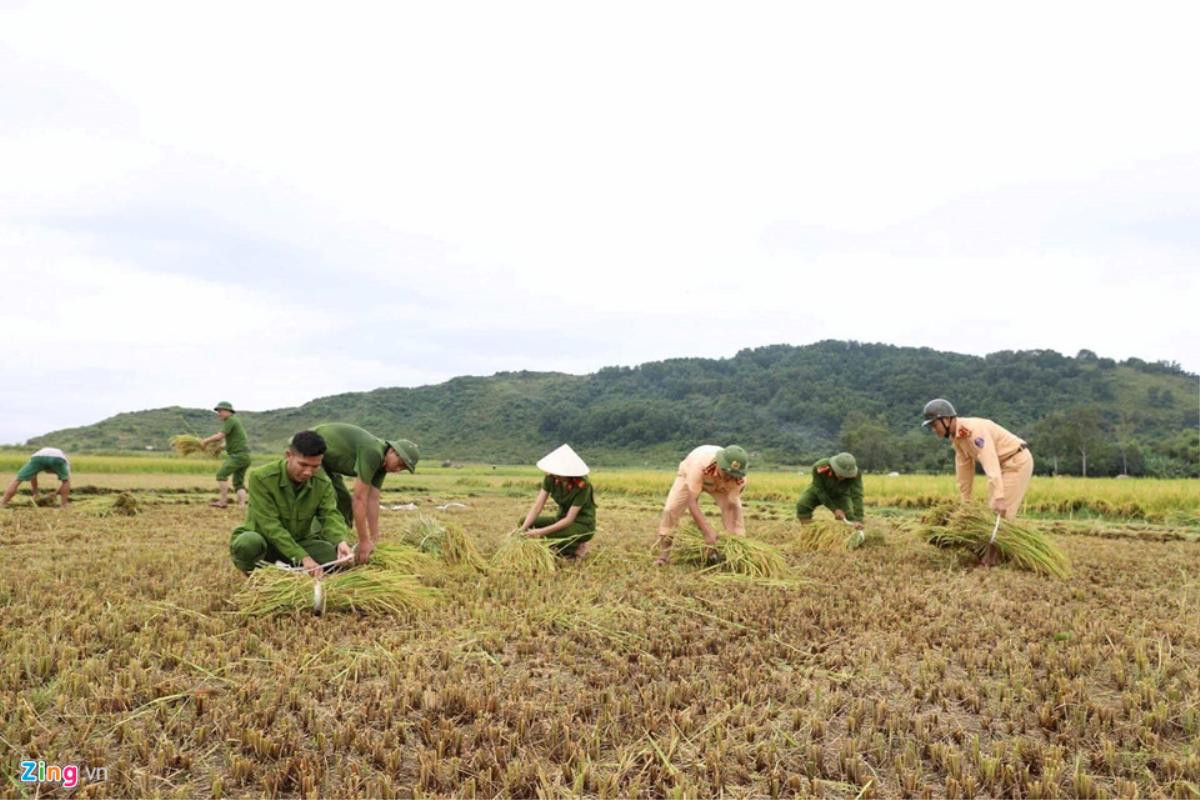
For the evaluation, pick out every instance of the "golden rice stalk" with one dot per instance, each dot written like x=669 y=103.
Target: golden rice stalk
x=448 y=542
x=732 y=553
x=402 y=558
x=125 y=505
x=824 y=535
x=521 y=555
x=970 y=526
x=365 y=590
x=185 y=444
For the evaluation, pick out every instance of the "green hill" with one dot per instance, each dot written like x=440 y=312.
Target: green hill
x=787 y=404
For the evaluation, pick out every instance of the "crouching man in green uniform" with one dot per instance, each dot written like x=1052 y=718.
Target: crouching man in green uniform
x=48 y=459
x=286 y=497
x=237 y=455
x=354 y=452
x=837 y=485
x=570 y=532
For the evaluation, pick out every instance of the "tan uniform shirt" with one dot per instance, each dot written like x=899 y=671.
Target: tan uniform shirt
x=982 y=440
x=698 y=472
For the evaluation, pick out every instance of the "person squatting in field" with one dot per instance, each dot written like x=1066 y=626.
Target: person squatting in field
x=837 y=485
x=292 y=514
x=352 y=451
x=1005 y=458
x=718 y=471
x=569 y=533
x=237 y=455
x=48 y=459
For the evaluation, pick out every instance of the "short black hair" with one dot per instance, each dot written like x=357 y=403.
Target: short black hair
x=308 y=443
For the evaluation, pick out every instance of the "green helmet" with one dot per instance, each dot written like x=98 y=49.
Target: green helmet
x=406 y=450
x=224 y=405
x=844 y=465
x=936 y=409
x=733 y=459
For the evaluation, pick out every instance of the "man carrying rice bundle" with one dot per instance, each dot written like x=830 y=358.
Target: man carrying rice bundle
x=1005 y=458
x=569 y=533
x=48 y=459
x=355 y=452
x=237 y=455
x=286 y=497
x=719 y=471
x=837 y=485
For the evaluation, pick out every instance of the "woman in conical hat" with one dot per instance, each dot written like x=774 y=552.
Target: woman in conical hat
x=570 y=532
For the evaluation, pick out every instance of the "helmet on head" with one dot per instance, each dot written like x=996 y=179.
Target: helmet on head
x=936 y=409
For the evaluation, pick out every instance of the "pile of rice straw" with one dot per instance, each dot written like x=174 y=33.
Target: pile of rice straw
x=402 y=558
x=521 y=555
x=969 y=527
x=448 y=542
x=366 y=590
x=731 y=553
x=833 y=534
x=185 y=444
x=125 y=505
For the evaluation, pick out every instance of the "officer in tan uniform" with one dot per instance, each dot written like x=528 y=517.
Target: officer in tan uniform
x=1005 y=458
x=719 y=471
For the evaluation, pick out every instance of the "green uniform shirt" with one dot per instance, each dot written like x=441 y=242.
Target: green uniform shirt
x=353 y=451
x=235 y=436
x=282 y=512
x=833 y=492
x=571 y=492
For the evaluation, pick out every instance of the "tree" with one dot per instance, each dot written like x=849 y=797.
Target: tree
x=868 y=438
x=1082 y=431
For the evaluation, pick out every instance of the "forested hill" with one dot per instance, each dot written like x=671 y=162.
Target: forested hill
x=786 y=404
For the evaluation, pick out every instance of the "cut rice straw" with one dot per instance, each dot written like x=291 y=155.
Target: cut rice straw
x=832 y=534
x=364 y=590
x=970 y=527
x=446 y=541
x=737 y=554
x=522 y=555
x=185 y=444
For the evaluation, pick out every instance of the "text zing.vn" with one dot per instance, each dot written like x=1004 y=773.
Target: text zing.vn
x=68 y=775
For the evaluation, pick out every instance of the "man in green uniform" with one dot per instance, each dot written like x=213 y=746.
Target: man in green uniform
x=237 y=455
x=48 y=459
x=355 y=452
x=286 y=497
x=837 y=485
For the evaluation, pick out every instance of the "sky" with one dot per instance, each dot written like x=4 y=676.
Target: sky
x=272 y=202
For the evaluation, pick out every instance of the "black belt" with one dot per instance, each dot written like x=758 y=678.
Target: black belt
x=1023 y=446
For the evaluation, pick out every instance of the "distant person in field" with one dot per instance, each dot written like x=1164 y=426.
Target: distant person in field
x=837 y=485
x=286 y=498
x=48 y=459
x=1005 y=458
x=569 y=532
x=719 y=471
x=237 y=455
x=354 y=452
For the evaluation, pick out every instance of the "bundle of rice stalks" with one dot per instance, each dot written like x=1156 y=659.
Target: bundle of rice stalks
x=833 y=534
x=185 y=444
x=520 y=555
x=448 y=542
x=738 y=554
x=365 y=590
x=125 y=505
x=970 y=527
x=402 y=558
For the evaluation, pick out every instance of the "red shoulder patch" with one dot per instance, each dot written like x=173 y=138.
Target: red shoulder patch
x=963 y=432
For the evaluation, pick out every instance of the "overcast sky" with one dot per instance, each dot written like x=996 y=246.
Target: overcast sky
x=268 y=203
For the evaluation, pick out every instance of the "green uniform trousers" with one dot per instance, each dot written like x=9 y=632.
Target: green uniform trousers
x=235 y=464
x=250 y=547
x=566 y=541
x=810 y=501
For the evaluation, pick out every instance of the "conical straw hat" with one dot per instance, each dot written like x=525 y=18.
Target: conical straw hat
x=565 y=462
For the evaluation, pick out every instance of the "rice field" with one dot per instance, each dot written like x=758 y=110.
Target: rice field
x=881 y=671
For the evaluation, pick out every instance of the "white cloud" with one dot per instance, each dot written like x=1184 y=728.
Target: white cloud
x=420 y=191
